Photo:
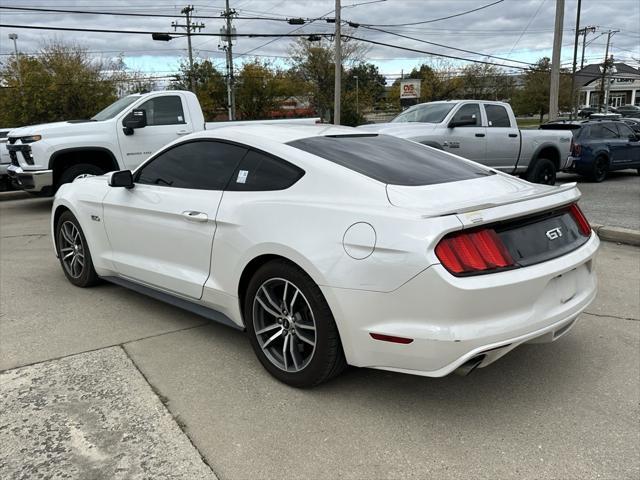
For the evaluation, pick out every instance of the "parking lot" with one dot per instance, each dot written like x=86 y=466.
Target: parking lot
x=107 y=383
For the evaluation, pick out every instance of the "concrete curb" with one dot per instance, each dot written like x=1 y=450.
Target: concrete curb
x=617 y=234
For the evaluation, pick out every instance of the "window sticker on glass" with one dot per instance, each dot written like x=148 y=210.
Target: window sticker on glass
x=242 y=176
x=180 y=118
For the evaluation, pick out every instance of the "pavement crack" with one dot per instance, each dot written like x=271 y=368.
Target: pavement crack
x=165 y=403
x=25 y=235
x=613 y=316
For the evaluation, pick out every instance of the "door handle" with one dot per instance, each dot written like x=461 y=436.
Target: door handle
x=182 y=132
x=194 y=216
x=513 y=135
x=479 y=134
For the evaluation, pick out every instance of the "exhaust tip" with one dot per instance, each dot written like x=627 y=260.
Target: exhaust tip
x=469 y=366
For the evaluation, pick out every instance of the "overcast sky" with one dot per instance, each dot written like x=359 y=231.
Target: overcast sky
x=515 y=29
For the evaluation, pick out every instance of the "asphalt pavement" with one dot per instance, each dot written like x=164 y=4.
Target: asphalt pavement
x=107 y=383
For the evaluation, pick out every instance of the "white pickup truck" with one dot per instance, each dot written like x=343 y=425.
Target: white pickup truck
x=486 y=132
x=121 y=136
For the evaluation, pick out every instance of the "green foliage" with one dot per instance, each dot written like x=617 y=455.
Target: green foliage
x=209 y=86
x=62 y=82
x=533 y=98
x=259 y=88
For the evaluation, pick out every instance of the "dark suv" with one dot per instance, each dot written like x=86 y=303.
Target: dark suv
x=600 y=146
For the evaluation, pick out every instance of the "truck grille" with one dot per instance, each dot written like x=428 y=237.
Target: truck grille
x=14 y=158
x=25 y=150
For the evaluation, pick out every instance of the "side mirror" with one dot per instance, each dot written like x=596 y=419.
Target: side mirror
x=123 y=178
x=136 y=119
x=464 y=121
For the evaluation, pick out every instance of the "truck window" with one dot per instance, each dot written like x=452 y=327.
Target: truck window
x=497 y=116
x=165 y=110
x=468 y=110
x=426 y=113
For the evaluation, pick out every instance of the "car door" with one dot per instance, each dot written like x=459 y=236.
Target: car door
x=166 y=121
x=618 y=147
x=468 y=141
x=161 y=230
x=629 y=151
x=503 y=138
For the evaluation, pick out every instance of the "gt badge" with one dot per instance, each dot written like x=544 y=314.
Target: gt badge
x=554 y=233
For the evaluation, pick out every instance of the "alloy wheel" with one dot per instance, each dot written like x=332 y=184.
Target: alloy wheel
x=284 y=324
x=71 y=249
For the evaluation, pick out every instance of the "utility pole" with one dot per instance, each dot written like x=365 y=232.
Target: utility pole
x=554 y=88
x=357 y=96
x=227 y=32
x=189 y=28
x=338 y=71
x=574 y=102
x=602 y=100
x=584 y=31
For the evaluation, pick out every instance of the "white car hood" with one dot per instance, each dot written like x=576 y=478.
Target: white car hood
x=59 y=129
x=400 y=129
x=466 y=195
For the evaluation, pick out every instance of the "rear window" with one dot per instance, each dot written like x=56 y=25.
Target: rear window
x=391 y=160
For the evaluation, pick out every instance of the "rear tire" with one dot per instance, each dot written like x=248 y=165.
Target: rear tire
x=599 y=170
x=73 y=172
x=543 y=171
x=291 y=327
x=73 y=252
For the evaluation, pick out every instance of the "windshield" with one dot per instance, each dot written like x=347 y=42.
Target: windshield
x=115 y=108
x=426 y=113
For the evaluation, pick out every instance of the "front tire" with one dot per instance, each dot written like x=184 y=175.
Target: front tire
x=73 y=252
x=75 y=171
x=543 y=171
x=291 y=327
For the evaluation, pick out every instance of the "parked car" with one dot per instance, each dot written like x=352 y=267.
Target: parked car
x=601 y=146
x=5 y=161
x=333 y=246
x=629 y=111
x=485 y=132
x=588 y=112
x=122 y=135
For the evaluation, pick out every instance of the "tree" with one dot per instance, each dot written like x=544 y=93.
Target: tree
x=258 y=90
x=485 y=82
x=209 y=85
x=533 y=97
x=370 y=91
x=438 y=82
x=313 y=63
x=61 y=82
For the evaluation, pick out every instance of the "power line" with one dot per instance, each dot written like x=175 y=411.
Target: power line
x=527 y=26
x=433 y=20
x=130 y=14
x=445 y=46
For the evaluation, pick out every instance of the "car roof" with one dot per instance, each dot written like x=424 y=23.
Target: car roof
x=280 y=133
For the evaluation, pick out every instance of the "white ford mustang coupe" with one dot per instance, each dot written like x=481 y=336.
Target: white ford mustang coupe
x=331 y=246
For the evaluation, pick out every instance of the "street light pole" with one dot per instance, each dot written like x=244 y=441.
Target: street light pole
x=338 y=68
x=14 y=37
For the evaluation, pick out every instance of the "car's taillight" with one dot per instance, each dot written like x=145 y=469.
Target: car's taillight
x=477 y=251
x=575 y=149
x=581 y=220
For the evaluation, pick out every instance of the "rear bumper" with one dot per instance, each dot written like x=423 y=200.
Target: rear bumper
x=31 y=181
x=452 y=320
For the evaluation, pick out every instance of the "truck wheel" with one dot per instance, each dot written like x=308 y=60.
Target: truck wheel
x=599 y=169
x=71 y=173
x=543 y=171
x=73 y=252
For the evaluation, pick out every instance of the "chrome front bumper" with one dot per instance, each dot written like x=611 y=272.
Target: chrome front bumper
x=31 y=181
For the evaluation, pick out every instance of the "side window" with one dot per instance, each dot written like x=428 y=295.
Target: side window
x=164 y=110
x=200 y=165
x=608 y=130
x=469 y=110
x=497 y=116
x=624 y=130
x=261 y=172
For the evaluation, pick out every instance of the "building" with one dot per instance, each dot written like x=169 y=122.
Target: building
x=623 y=85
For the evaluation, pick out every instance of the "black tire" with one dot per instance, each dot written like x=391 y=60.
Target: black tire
x=326 y=359
x=599 y=169
x=70 y=174
x=542 y=171
x=81 y=272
